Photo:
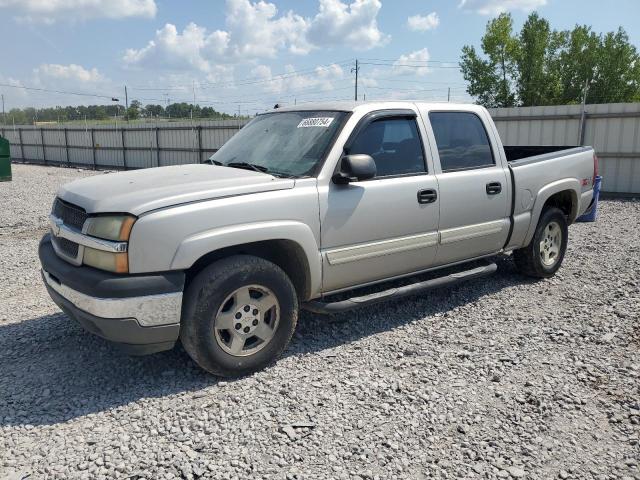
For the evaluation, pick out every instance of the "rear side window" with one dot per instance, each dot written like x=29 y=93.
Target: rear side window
x=394 y=144
x=462 y=141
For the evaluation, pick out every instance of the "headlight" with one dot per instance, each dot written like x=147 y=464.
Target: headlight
x=109 y=261
x=112 y=227
x=115 y=228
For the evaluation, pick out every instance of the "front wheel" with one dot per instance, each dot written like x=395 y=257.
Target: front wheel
x=543 y=256
x=239 y=315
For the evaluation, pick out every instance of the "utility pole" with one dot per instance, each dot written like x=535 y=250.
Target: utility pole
x=356 y=71
x=583 y=114
x=194 y=99
x=449 y=94
x=126 y=103
x=4 y=115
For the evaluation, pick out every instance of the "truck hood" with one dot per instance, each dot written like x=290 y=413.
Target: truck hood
x=140 y=191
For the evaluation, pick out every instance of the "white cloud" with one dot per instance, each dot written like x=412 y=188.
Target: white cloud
x=368 y=82
x=494 y=7
x=61 y=78
x=255 y=30
x=352 y=25
x=17 y=94
x=69 y=72
x=192 y=49
x=422 y=23
x=221 y=74
x=412 y=63
x=49 y=11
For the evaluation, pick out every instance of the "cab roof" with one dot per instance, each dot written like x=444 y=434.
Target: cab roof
x=352 y=106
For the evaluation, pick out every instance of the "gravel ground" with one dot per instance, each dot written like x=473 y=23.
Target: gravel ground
x=496 y=378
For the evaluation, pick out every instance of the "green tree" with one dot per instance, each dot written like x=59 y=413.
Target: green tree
x=179 y=110
x=534 y=44
x=133 y=112
x=541 y=66
x=578 y=60
x=153 y=111
x=492 y=79
x=617 y=72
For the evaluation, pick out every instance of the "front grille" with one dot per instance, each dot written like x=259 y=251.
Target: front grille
x=71 y=215
x=67 y=247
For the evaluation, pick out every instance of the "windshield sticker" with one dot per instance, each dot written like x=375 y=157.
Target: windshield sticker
x=315 y=122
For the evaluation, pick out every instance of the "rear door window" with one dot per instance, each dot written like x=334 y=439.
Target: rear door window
x=462 y=141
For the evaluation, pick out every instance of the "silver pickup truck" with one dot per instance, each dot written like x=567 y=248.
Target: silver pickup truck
x=304 y=203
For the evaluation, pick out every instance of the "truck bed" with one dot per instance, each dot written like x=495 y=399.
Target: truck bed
x=566 y=166
x=521 y=152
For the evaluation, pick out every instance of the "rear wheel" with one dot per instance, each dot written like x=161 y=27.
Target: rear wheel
x=543 y=256
x=239 y=315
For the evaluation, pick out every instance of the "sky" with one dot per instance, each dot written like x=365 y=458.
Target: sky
x=246 y=55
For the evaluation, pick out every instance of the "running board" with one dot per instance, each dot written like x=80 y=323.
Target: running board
x=399 y=292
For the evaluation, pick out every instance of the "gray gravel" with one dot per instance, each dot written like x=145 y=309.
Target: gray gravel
x=501 y=378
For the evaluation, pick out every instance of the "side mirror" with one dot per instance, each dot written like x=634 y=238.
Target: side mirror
x=355 y=168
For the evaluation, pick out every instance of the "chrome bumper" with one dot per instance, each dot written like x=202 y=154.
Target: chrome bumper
x=148 y=310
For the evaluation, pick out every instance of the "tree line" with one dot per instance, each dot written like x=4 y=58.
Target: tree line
x=542 y=66
x=136 y=110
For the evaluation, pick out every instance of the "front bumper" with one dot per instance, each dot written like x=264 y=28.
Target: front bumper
x=140 y=313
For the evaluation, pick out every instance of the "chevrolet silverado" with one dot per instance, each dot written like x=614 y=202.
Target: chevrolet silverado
x=303 y=203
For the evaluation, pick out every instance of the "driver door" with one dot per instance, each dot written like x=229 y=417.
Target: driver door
x=386 y=226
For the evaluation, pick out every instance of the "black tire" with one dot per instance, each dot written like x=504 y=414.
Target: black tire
x=204 y=298
x=528 y=259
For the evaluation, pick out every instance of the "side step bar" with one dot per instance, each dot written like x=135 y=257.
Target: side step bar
x=399 y=292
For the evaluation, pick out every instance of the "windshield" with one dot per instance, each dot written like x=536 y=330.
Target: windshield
x=282 y=143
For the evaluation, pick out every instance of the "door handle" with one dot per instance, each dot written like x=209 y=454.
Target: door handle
x=427 y=196
x=494 y=188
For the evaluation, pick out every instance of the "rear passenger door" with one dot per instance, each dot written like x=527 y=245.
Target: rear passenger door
x=474 y=194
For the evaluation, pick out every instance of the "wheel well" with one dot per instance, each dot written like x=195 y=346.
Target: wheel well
x=287 y=254
x=564 y=201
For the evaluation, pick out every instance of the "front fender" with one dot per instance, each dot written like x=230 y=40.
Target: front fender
x=546 y=192
x=196 y=246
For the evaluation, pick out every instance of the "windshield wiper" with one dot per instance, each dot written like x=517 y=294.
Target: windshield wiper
x=248 y=166
x=211 y=161
x=252 y=166
x=283 y=175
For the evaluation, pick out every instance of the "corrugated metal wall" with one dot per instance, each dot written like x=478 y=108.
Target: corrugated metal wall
x=127 y=146
x=612 y=129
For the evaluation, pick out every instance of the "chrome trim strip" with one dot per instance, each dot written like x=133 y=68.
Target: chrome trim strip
x=471 y=231
x=59 y=229
x=149 y=310
x=380 y=248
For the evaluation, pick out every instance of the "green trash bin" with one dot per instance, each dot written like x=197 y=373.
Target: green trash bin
x=5 y=160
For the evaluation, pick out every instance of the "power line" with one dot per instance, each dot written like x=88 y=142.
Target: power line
x=250 y=80
x=79 y=94
x=407 y=65
x=410 y=90
x=421 y=82
x=413 y=61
